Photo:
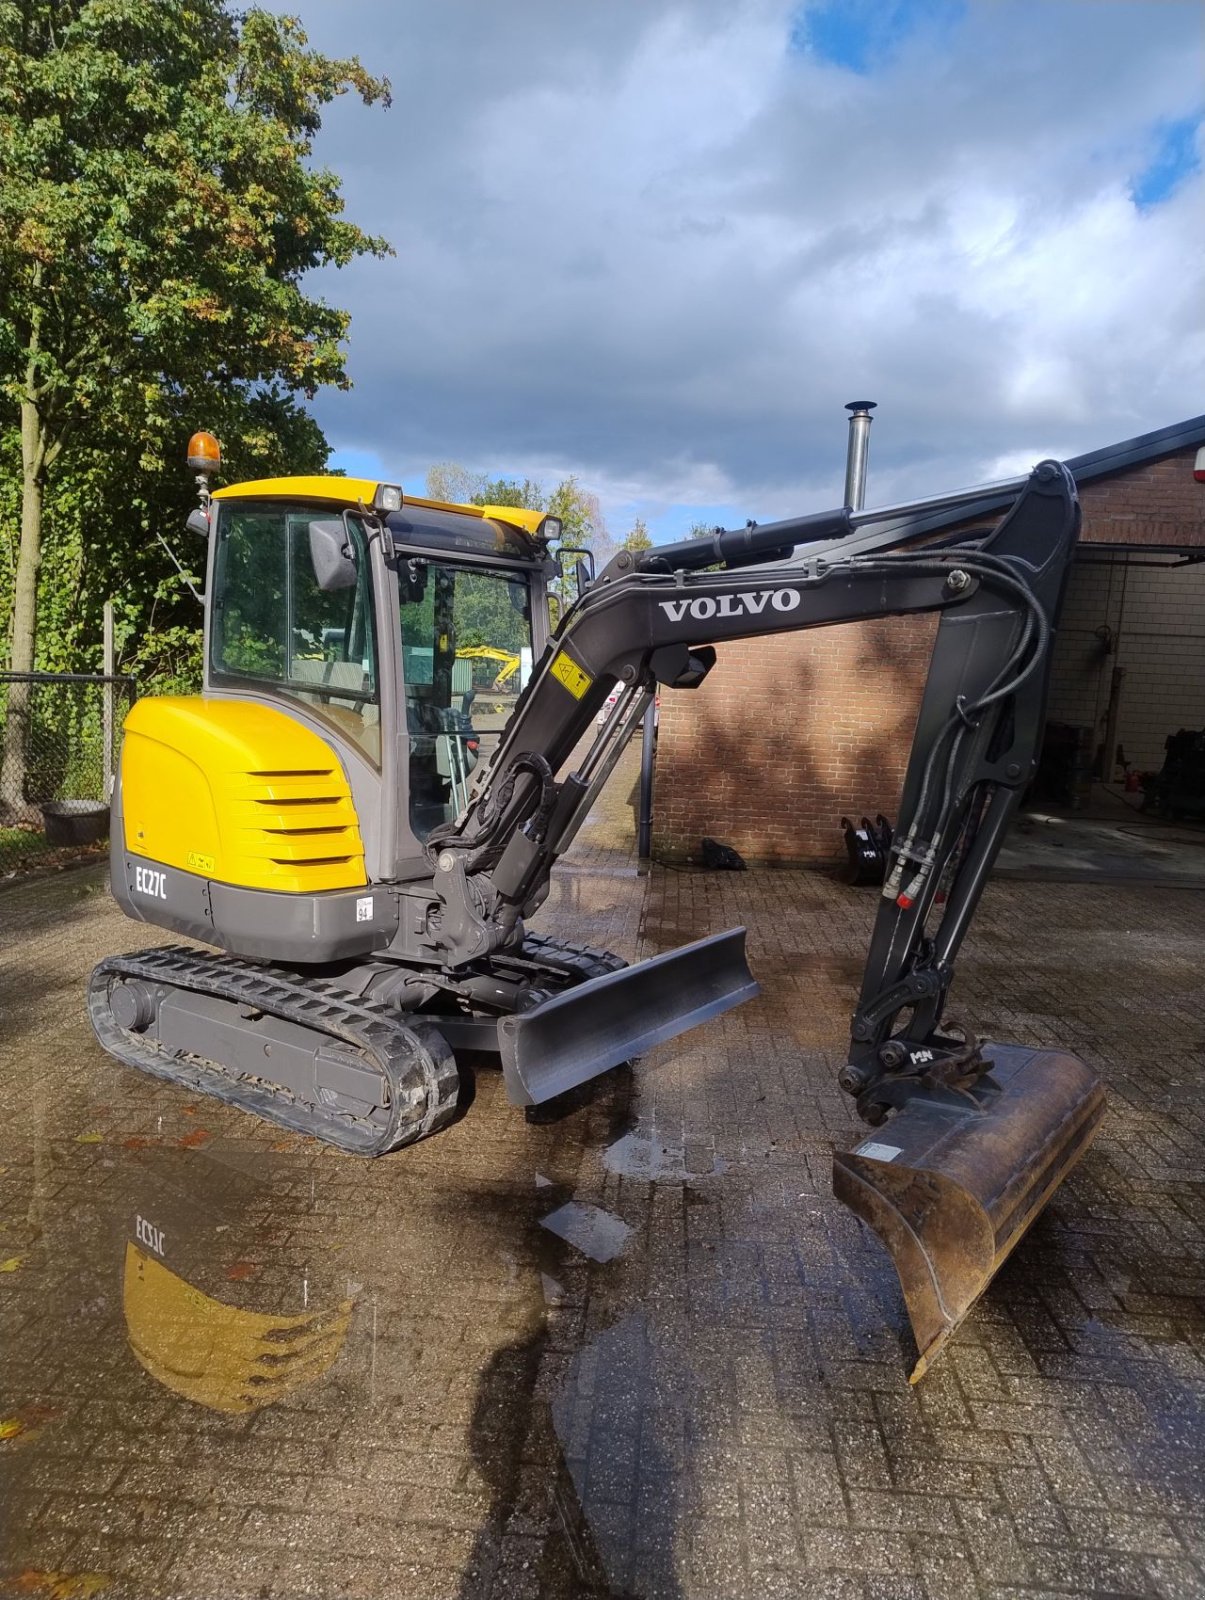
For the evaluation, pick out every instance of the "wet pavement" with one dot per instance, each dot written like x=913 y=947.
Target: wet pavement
x=635 y=1351
x=1112 y=842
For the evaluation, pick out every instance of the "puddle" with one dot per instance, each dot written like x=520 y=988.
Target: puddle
x=188 y=1316
x=330 y=1374
x=596 y=1233
x=647 y=1156
x=619 y=1419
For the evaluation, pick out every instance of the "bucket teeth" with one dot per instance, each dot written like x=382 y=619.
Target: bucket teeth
x=951 y=1192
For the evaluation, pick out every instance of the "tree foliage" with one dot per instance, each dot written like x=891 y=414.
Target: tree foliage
x=159 y=210
x=638 y=538
x=583 y=525
x=580 y=512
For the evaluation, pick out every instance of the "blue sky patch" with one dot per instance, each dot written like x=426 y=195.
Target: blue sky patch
x=1175 y=159
x=357 y=463
x=862 y=35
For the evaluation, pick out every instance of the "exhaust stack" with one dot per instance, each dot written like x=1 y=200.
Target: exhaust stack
x=859 y=446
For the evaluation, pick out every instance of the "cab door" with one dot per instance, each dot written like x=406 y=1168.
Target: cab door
x=467 y=649
x=302 y=616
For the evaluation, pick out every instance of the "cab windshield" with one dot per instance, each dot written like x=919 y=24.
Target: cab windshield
x=293 y=608
x=466 y=657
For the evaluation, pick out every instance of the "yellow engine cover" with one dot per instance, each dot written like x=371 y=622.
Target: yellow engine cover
x=238 y=792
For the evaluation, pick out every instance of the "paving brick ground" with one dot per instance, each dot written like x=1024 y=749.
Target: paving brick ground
x=719 y=1411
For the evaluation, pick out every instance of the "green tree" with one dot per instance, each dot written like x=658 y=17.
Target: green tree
x=583 y=525
x=453 y=484
x=107 y=523
x=581 y=515
x=527 y=495
x=580 y=512
x=456 y=485
x=638 y=539
x=158 y=210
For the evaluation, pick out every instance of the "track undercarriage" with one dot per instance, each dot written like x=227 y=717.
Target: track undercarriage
x=341 y=1058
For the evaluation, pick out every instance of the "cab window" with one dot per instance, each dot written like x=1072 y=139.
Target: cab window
x=466 y=657
x=293 y=609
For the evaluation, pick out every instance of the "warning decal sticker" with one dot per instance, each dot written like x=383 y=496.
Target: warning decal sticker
x=566 y=671
x=879 y=1152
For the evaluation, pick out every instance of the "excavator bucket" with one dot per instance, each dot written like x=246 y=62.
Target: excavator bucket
x=583 y=1032
x=951 y=1183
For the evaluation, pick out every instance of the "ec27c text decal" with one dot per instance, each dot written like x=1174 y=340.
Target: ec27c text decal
x=150 y=880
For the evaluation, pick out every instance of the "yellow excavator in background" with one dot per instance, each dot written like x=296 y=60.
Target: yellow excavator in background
x=510 y=662
x=311 y=814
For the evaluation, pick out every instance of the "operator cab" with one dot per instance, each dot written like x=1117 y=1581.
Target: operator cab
x=457 y=618
x=364 y=611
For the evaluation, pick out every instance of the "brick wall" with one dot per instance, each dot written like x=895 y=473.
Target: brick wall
x=1157 y=503
x=787 y=734
x=787 y=731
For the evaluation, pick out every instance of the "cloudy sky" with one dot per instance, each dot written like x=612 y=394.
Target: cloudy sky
x=659 y=245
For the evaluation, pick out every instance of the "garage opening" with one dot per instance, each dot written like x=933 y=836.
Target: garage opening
x=1121 y=783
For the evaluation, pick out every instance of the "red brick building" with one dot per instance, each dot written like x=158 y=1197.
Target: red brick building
x=788 y=734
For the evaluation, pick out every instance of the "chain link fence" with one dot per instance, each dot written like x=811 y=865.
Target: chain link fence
x=59 y=737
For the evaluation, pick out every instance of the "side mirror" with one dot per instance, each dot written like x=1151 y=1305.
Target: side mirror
x=582 y=570
x=198 y=522
x=412 y=582
x=331 y=555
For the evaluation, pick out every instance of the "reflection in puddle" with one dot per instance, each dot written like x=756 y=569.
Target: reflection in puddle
x=596 y=1233
x=621 y=1420
x=222 y=1356
x=189 y=1324
x=639 y=1155
x=210 y=1312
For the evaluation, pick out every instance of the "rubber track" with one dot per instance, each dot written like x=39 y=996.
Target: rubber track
x=412 y=1056
x=580 y=962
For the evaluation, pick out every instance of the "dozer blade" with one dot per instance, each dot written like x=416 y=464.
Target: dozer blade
x=950 y=1192
x=588 y=1029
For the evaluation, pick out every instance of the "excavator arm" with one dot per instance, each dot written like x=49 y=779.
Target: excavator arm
x=975 y=1136
x=652 y=619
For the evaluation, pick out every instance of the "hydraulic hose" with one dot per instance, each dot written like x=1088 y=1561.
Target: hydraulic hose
x=922 y=843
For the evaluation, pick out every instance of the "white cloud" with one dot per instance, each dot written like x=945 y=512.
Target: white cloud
x=651 y=244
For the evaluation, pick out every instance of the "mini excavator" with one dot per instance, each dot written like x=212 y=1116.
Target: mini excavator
x=314 y=815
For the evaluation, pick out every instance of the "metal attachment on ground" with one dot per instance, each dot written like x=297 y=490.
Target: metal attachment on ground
x=957 y=1176
x=868 y=847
